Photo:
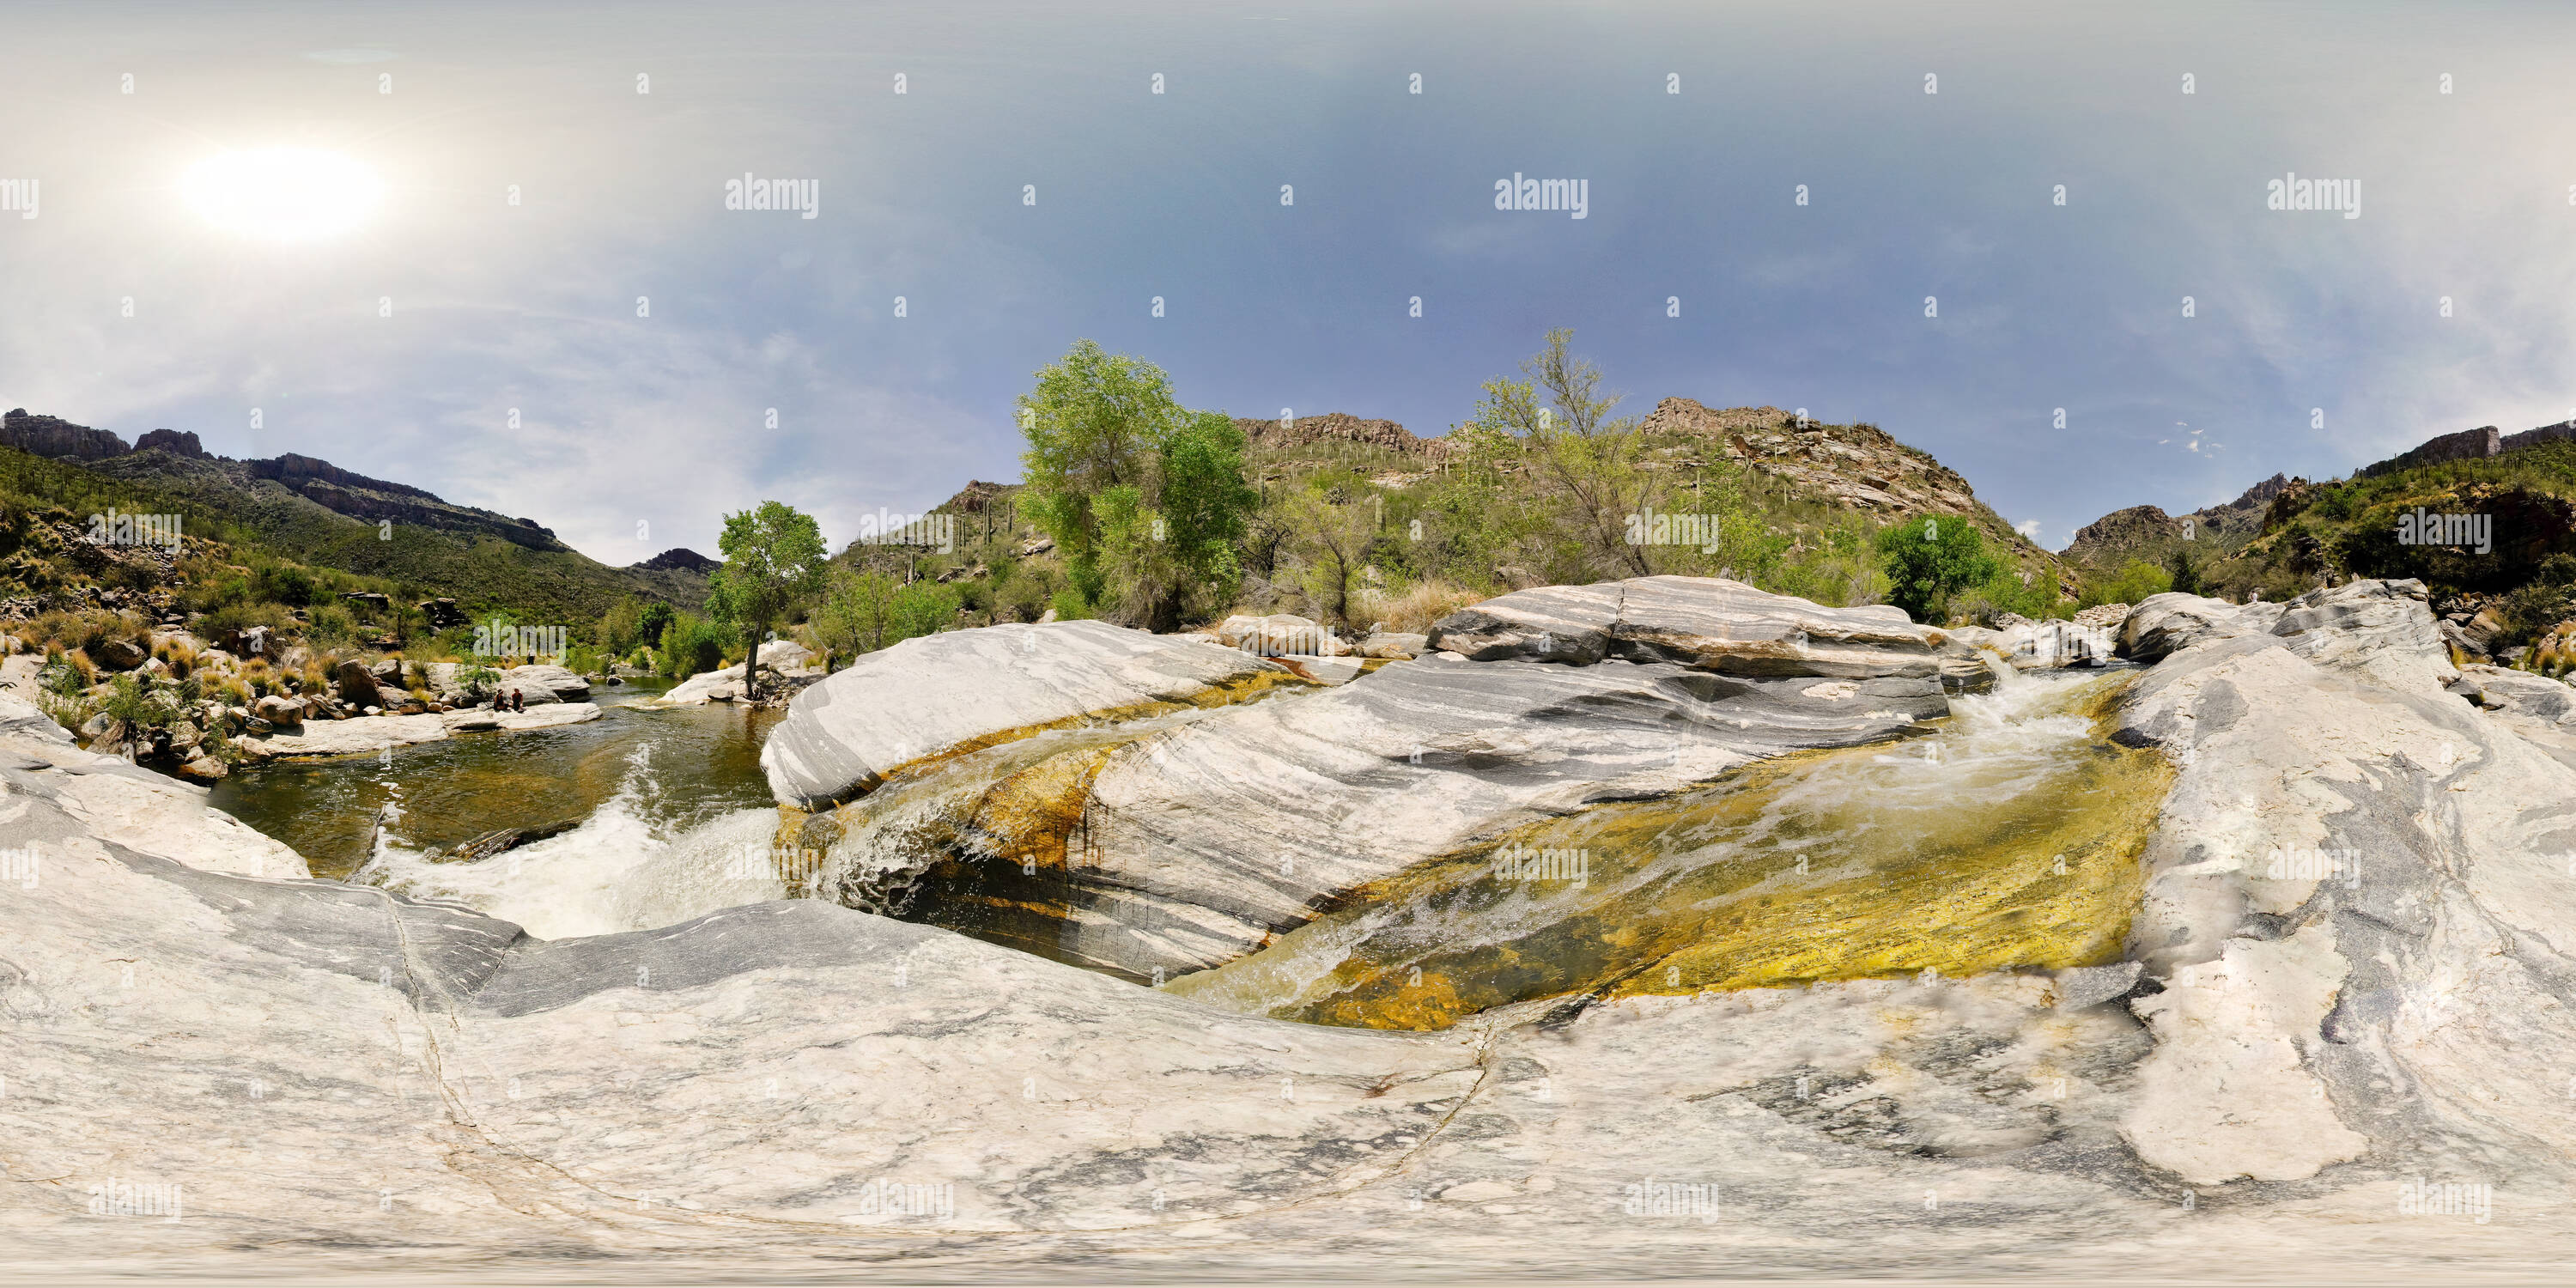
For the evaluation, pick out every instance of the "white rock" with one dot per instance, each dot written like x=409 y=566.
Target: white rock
x=928 y=694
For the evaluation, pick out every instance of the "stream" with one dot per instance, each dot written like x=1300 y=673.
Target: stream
x=644 y=814
x=2006 y=838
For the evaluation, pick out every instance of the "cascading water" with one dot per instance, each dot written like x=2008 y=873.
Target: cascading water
x=629 y=866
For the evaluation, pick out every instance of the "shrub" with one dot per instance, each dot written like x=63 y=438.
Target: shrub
x=1412 y=609
x=1929 y=560
x=138 y=704
x=332 y=627
x=691 y=645
x=241 y=615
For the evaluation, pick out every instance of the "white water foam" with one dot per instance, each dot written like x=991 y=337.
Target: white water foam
x=619 y=871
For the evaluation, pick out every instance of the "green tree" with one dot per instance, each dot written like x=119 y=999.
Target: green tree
x=1572 y=449
x=773 y=557
x=1091 y=424
x=857 y=612
x=1334 y=541
x=1930 y=559
x=1145 y=500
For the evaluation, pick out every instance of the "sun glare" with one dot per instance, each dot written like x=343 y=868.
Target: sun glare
x=282 y=193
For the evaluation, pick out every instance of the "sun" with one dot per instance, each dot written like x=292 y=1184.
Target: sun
x=284 y=193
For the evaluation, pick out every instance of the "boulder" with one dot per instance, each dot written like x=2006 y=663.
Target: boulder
x=1279 y=635
x=1705 y=623
x=279 y=709
x=536 y=683
x=541 y=683
x=1396 y=645
x=929 y=695
x=119 y=655
x=2518 y=693
x=2381 y=629
x=356 y=685
x=1204 y=838
x=2353 y=894
x=2173 y=621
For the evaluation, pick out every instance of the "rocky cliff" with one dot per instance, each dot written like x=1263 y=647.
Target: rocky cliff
x=56 y=438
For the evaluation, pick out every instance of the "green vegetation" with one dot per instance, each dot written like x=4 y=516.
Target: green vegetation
x=1927 y=562
x=2526 y=579
x=1144 y=499
x=773 y=558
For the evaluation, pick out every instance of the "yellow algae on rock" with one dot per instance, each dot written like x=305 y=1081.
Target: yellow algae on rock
x=2008 y=840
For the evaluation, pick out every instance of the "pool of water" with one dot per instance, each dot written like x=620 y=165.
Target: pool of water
x=647 y=808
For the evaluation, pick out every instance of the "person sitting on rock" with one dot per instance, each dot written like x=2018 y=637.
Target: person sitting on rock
x=517 y=701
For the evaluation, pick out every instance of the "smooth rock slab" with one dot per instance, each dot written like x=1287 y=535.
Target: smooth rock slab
x=2356 y=906
x=931 y=694
x=1202 y=840
x=1704 y=622
x=108 y=801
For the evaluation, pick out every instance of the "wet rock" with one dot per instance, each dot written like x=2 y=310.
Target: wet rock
x=1200 y=842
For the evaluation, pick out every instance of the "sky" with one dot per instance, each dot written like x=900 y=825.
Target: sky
x=1287 y=197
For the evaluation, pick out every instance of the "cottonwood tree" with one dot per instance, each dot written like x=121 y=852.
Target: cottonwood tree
x=773 y=557
x=1144 y=498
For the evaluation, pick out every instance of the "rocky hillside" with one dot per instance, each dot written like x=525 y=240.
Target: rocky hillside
x=2505 y=585
x=311 y=511
x=2146 y=533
